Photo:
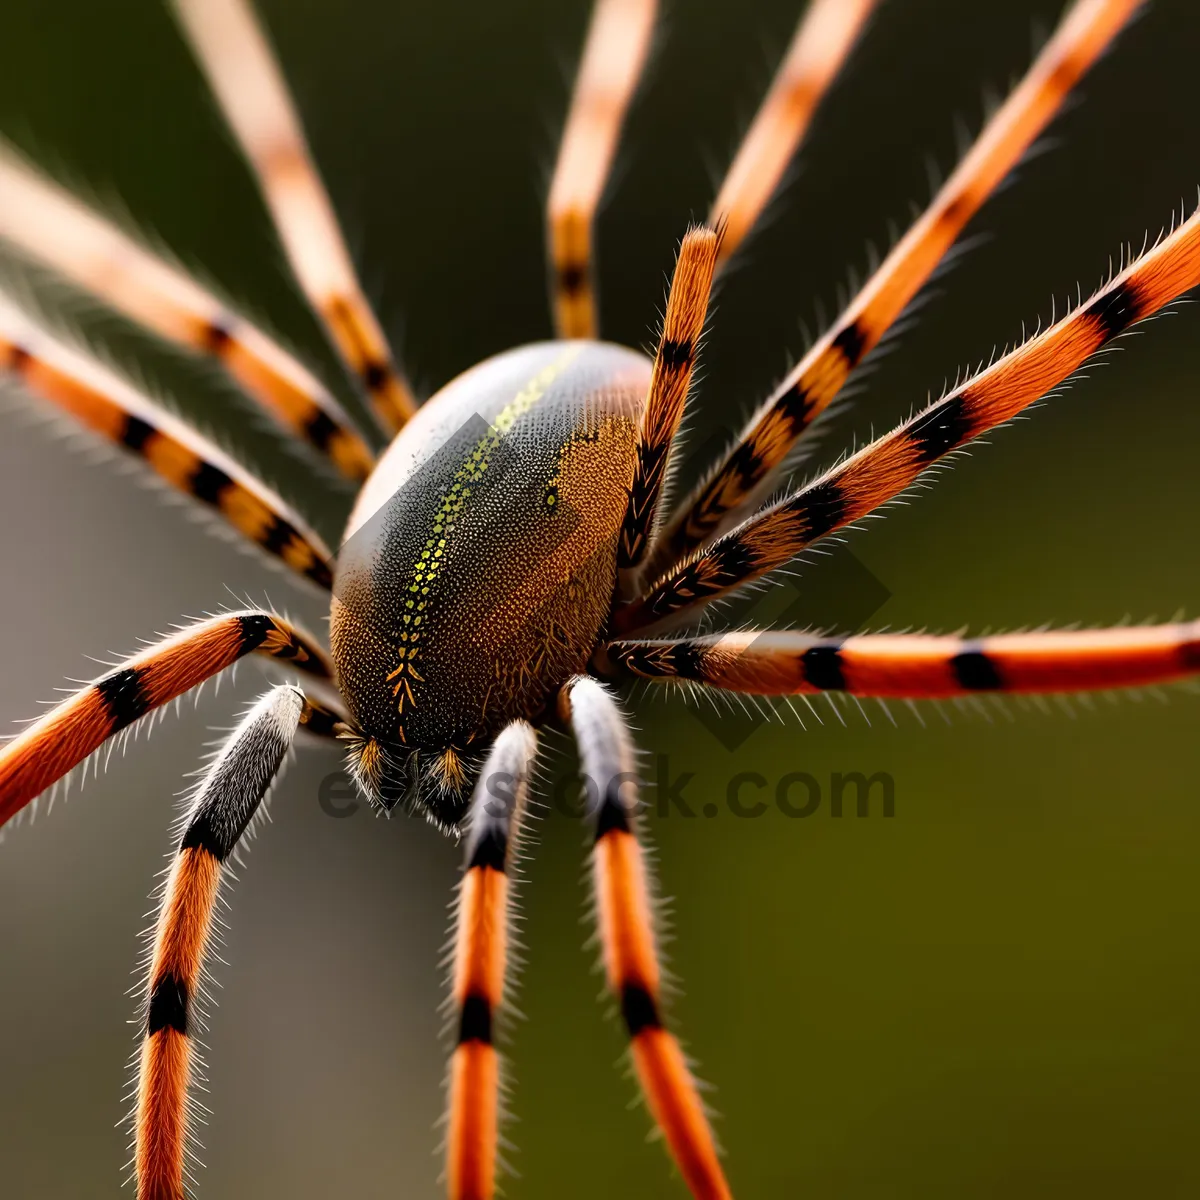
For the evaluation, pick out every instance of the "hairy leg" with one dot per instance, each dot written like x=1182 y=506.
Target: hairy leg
x=480 y=961
x=824 y=38
x=627 y=935
x=887 y=466
x=1084 y=33
x=106 y=404
x=48 y=748
x=678 y=346
x=224 y=803
x=920 y=666
x=617 y=44
x=249 y=86
x=52 y=226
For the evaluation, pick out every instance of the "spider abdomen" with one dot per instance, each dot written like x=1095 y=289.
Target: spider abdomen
x=479 y=562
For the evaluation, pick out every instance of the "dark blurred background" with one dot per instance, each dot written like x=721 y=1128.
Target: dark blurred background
x=994 y=990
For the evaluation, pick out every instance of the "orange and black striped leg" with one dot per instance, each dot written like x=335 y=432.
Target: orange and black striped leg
x=884 y=468
x=678 y=345
x=823 y=40
x=739 y=479
x=617 y=43
x=190 y=463
x=627 y=934
x=49 y=747
x=45 y=222
x=241 y=69
x=480 y=962
x=226 y=799
x=912 y=666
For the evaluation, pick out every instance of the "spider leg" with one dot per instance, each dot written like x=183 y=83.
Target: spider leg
x=687 y=304
x=45 y=750
x=627 y=934
x=479 y=963
x=189 y=462
x=45 y=222
x=824 y=38
x=225 y=801
x=920 y=666
x=885 y=467
x=233 y=51
x=617 y=44
x=1086 y=30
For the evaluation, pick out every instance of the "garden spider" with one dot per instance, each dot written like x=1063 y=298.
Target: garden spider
x=907 y=668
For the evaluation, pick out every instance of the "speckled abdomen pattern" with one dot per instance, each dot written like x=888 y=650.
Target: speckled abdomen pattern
x=478 y=566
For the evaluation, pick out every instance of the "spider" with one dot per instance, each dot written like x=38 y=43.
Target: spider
x=511 y=555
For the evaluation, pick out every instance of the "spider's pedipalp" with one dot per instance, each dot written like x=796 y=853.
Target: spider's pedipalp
x=58 y=230
x=249 y=87
x=45 y=750
x=106 y=404
x=824 y=38
x=227 y=798
x=1086 y=30
x=480 y=962
x=627 y=934
x=617 y=44
x=888 y=466
x=915 y=666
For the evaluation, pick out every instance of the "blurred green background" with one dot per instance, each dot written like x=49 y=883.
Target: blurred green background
x=993 y=991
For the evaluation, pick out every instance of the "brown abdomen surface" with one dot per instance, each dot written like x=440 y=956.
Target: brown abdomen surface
x=479 y=562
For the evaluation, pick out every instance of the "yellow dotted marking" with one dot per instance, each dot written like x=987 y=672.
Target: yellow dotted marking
x=445 y=521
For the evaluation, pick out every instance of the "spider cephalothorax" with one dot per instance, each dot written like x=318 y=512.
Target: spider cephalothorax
x=510 y=541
